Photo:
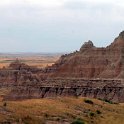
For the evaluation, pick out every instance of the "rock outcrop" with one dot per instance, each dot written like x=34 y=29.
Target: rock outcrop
x=112 y=90
x=87 y=45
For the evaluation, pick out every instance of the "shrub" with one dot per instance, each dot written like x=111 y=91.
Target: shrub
x=78 y=121
x=106 y=100
x=88 y=101
x=46 y=115
x=92 y=114
x=4 y=104
x=98 y=111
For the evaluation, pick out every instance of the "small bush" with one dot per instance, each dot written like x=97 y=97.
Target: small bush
x=98 y=111
x=4 y=104
x=91 y=114
x=106 y=100
x=46 y=115
x=100 y=99
x=88 y=101
x=78 y=121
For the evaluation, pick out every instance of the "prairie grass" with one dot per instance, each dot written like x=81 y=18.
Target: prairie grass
x=65 y=109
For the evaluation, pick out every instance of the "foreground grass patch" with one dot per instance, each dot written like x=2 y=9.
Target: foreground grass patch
x=78 y=121
x=63 y=110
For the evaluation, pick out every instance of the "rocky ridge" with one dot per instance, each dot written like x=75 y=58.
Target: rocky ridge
x=92 y=62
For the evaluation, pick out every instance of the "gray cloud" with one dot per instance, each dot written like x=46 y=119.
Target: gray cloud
x=64 y=27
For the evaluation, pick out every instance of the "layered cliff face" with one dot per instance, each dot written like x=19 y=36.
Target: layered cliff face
x=92 y=62
x=112 y=90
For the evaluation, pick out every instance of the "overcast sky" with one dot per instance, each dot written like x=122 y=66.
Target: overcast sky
x=58 y=25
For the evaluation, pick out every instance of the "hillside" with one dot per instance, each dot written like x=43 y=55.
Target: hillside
x=61 y=111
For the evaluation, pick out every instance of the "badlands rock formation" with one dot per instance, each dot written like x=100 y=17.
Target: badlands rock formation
x=112 y=90
x=90 y=72
x=92 y=62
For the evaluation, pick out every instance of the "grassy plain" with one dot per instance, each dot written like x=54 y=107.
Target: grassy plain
x=61 y=111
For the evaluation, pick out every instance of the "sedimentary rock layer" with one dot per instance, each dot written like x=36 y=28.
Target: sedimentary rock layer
x=112 y=90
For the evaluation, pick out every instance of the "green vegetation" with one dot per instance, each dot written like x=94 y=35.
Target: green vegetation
x=78 y=121
x=108 y=101
x=88 y=101
x=98 y=112
x=91 y=114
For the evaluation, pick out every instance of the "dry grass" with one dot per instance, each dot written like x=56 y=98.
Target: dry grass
x=60 y=110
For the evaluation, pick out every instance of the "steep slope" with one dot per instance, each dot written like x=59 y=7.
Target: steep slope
x=92 y=62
